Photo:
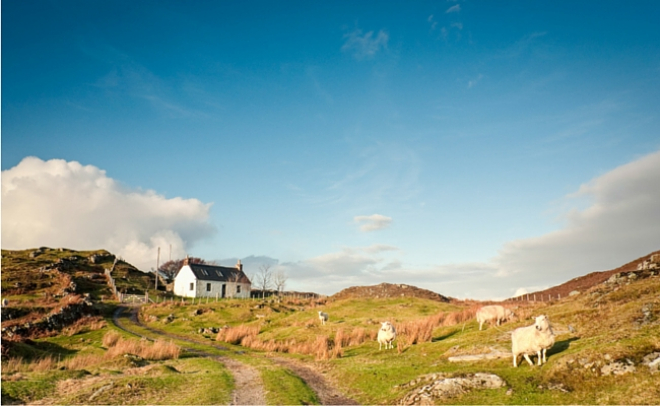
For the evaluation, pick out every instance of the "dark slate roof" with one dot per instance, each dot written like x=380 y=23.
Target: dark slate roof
x=218 y=273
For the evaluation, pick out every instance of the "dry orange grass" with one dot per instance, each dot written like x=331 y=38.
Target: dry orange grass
x=81 y=361
x=158 y=350
x=236 y=335
x=110 y=339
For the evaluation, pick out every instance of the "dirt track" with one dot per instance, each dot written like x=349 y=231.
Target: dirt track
x=249 y=387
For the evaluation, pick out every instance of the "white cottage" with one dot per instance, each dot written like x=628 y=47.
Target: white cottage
x=195 y=280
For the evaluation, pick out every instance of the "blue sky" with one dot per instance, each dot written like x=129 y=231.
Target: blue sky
x=477 y=149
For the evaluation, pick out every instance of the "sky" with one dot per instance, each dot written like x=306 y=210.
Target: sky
x=478 y=149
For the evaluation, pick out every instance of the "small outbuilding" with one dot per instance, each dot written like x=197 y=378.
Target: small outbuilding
x=196 y=280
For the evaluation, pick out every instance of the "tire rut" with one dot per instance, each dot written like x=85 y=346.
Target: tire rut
x=249 y=388
x=328 y=395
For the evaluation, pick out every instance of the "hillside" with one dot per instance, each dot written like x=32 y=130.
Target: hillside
x=585 y=282
x=50 y=289
x=607 y=351
x=387 y=291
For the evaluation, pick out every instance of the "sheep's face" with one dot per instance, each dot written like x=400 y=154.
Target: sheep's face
x=386 y=325
x=542 y=323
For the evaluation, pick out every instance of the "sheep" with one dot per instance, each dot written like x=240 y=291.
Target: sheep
x=493 y=313
x=529 y=340
x=323 y=317
x=386 y=335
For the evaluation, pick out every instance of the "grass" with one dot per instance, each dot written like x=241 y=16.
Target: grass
x=285 y=388
x=609 y=324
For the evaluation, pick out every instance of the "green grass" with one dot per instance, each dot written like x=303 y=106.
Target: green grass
x=285 y=388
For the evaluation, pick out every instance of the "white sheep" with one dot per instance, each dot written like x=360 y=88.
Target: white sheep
x=492 y=313
x=534 y=339
x=386 y=335
x=323 y=317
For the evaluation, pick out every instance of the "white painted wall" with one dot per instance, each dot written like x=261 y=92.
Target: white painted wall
x=186 y=276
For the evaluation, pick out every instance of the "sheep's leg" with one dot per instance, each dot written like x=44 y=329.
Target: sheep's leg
x=528 y=360
x=498 y=322
x=515 y=359
x=481 y=323
x=540 y=358
x=544 y=358
x=380 y=346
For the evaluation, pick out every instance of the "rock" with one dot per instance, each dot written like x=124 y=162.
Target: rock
x=618 y=368
x=573 y=293
x=652 y=361
x=451 y=387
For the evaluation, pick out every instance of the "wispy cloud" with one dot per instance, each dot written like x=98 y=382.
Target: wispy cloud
x=65 y=204
x=365 y=46
x=618 y=225
x=453 y=9
x=473 y=82
x=373 y=222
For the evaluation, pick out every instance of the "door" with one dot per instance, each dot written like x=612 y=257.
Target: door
x=224 y=290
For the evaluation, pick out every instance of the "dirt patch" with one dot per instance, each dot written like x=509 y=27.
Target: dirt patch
x=249 y=386
x=388 y=290
x=328 y=395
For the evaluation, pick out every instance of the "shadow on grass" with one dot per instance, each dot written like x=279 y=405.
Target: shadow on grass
x=444 y=337
x=561 y=346
x=33 y=350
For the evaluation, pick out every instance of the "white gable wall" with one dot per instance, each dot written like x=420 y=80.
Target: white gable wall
x=182 y=282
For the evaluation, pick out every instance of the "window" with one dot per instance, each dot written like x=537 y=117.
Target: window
x=238 y=288
x=208 y=287
x=219 y=273
x=192 y=285
x=204 y=272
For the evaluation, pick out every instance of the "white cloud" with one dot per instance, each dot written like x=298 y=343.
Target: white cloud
x=619 y=225
x=373 y=222
x=453 y=9
x=365 y=46
x=65 y=204
x=473 y=82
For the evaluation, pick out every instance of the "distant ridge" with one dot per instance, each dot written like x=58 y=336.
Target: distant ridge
x=582 y=283
x=388 y=290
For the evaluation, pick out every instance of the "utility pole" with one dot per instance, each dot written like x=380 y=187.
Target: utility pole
x=170 y=252
x=157 y=265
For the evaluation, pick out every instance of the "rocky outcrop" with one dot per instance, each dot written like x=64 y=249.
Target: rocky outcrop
x=444 y=388
x=53 y=322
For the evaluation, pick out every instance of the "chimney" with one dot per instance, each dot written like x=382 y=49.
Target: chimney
x=186 y=261
x=239 y=266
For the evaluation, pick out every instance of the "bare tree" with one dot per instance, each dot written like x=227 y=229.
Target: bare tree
x=279 y=280
x=172 y=267
x=263 y=279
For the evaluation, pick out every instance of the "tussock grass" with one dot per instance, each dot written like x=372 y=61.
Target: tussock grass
x=158 y=350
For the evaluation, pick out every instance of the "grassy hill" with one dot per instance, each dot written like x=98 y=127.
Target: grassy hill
x=607 y=339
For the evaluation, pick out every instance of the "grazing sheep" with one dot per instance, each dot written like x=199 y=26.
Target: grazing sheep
x=534 y=339
x=323 y=317
x=493 y=313
x=386 y=335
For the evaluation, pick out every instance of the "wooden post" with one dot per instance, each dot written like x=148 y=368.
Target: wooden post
x=157 y=265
